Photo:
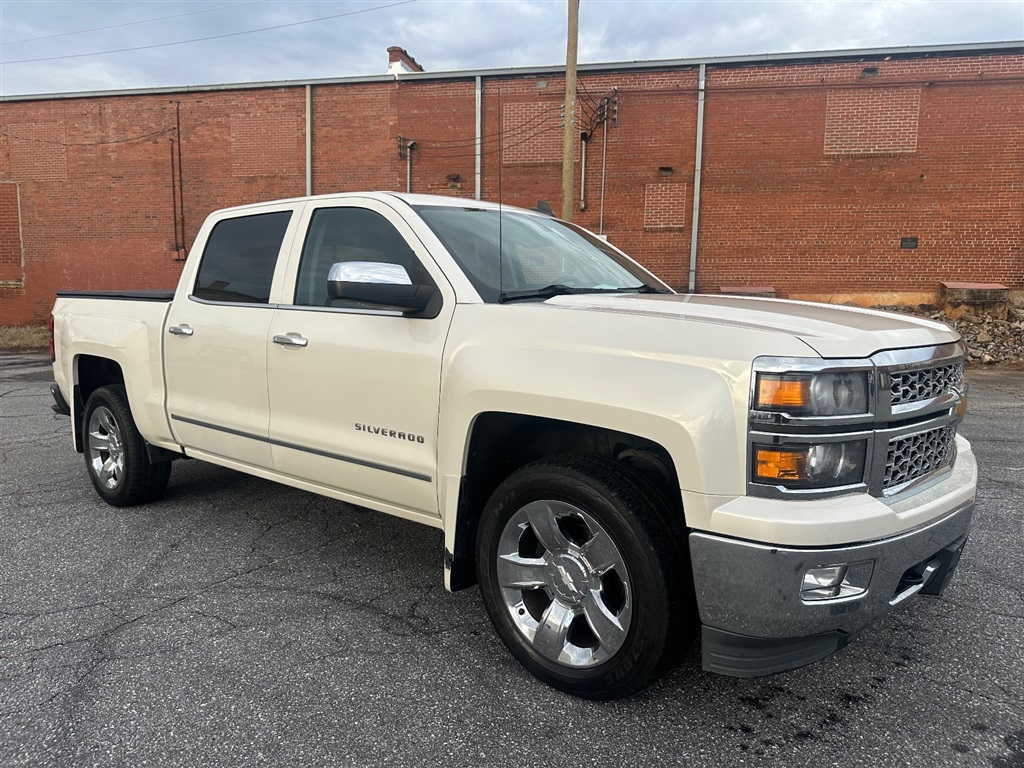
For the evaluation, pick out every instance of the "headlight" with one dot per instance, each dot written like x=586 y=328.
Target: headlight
x=812 y=394
x=821 y=465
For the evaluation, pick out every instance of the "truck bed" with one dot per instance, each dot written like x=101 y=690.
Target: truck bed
x=126 y=328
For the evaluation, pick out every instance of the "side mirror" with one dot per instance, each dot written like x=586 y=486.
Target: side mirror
x=387 y=286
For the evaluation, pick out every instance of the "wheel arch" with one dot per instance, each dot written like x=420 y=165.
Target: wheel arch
x=499 y=443
x=90 y=373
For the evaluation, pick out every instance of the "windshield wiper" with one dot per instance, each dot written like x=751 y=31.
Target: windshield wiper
x=559 y=289
x=555 y=289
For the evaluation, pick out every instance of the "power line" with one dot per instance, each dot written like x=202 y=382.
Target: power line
x=517 y=132
x=596 y=115
x=470 y=142
x=88 y=143
x=211 y=37
x=500 y=149
x=490 y=138
x=586 y=93
x=130 y=23
x=587 y=98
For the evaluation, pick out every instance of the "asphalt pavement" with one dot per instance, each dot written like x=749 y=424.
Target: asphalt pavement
x=241 y=623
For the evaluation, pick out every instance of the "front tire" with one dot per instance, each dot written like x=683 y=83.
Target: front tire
x=582 y=576
x=115 y=453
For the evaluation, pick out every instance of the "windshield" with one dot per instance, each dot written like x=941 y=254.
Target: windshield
x=540 y=256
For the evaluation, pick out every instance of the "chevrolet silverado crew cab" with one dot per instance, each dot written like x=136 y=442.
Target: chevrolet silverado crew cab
x=620 y=467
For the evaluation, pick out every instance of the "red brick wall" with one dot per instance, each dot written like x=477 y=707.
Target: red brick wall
x=872 y=122
x=812 y=172
x=38 y=151
x=440 y=118
x=665 y=207
x=354 y=138
x=786 y=203
x=10 y=236
x=238 y=147
x=95 y=198
x=655 y=127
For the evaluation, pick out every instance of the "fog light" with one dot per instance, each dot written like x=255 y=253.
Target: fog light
x=836 y=582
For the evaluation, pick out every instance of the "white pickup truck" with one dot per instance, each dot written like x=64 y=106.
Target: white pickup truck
x=620 y=467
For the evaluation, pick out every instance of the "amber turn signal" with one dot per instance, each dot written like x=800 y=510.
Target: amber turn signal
x=780 y=392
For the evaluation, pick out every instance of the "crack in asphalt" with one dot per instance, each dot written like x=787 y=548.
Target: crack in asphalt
x=1010 y=703
x=96 y=639
x=980 y=609
x=414 y=623
x=20 y=389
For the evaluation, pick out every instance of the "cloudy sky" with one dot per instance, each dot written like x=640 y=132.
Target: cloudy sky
x=54 y=45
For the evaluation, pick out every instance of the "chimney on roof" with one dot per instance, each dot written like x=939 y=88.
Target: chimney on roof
x=400 y=62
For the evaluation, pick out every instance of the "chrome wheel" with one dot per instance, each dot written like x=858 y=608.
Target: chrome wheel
x=106 y=448
x=564 y=582
x=115 y=453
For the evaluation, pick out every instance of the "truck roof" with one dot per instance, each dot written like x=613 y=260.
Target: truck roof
x=410 y=199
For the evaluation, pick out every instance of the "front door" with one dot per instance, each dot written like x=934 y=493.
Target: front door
x=354 y=391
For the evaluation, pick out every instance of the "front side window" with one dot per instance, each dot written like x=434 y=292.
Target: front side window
x=239 y=259
x=349 y=234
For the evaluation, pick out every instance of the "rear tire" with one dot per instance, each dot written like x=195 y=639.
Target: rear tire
x=115 y=453
x=582 y=576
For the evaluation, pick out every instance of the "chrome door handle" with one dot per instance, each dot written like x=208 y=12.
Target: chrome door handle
x=181 y=330
x=291 y=341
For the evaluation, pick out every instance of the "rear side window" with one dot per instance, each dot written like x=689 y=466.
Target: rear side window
x=239 y=258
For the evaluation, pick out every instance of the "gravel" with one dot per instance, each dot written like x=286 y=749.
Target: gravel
x=990 y=340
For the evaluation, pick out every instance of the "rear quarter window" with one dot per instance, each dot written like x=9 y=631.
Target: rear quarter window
x=239 y=259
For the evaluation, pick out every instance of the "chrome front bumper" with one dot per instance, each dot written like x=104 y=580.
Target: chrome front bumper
x=756 y=619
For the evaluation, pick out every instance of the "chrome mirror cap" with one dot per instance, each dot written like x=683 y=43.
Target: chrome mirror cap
x=368 y=272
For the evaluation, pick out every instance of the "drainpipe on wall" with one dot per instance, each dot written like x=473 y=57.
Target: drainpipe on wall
x=479 y=142
x=309 y=139
x=181 y=181
x=409 y=147
x=696 y=181
x=174 y=204
x=604 y=166
x=583 y=171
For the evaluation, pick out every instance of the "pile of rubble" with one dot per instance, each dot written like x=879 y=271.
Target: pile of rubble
x=990 y=341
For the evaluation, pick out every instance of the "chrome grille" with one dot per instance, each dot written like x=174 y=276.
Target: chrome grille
x=913 y=386
x=915 y=456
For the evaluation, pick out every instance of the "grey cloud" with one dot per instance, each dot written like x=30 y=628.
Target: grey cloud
x=453 y=34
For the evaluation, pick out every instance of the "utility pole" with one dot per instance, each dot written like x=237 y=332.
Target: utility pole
x=569 y=119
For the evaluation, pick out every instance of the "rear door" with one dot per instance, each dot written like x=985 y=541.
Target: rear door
x=215 y=342
x=354 y=391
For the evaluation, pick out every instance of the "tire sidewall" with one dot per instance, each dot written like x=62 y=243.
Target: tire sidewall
x=639 y=655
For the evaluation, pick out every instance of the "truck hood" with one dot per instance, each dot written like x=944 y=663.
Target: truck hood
x=831 y=331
